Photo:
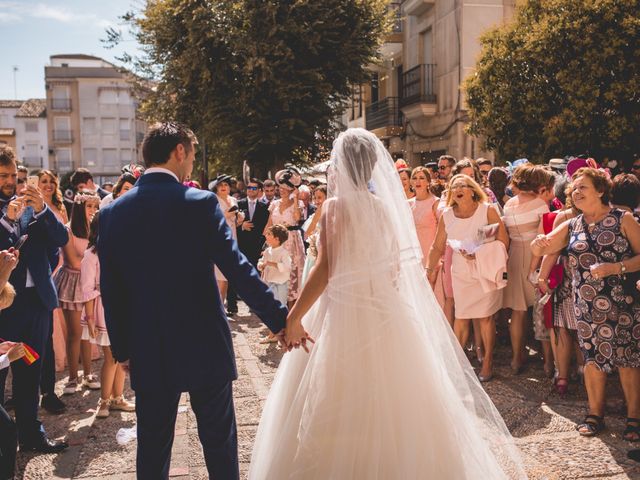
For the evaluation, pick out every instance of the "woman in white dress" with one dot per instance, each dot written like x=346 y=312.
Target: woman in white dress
x=233 y=217
x=386 y=392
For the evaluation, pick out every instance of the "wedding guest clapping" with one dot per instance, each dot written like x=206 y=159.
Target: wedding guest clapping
x=603 y=245
x=466 y=214
x=68 y=283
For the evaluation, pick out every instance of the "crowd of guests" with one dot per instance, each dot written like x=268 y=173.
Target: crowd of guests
x=549 y=253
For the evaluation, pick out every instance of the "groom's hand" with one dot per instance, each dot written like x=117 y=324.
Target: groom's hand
x=296 y=336
x=281 y=339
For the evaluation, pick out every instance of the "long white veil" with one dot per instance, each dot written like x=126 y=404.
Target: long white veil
x=386 y=392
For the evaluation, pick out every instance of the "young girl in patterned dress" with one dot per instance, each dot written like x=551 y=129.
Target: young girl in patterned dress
x=94 y=330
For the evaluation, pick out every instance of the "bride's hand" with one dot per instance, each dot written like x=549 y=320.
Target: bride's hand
x=296 y=336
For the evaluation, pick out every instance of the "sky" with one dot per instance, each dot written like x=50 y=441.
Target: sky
x=34 y=30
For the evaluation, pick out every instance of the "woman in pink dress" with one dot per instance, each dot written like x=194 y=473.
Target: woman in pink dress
x=67 y=281
x=287 y=211
x=424 y=207
x=468 y=211
x=94 y=330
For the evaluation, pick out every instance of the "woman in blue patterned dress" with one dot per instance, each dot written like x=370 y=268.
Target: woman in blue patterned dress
x=603 y=245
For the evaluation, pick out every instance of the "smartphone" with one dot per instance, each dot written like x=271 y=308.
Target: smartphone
x=33 y=181
x=20 y=242
x=233 y=209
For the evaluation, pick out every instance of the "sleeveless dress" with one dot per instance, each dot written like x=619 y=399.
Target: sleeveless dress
x=293 y=245
x=470 y=300
x=522 y=221
x=67 y=279
x=225 y=206
x=608 y=320
x=90 y=275
x=426 y=225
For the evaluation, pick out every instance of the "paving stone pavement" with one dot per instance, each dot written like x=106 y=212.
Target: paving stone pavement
x=541 y=422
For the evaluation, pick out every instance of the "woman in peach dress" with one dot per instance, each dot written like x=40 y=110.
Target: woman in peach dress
x=424 y=207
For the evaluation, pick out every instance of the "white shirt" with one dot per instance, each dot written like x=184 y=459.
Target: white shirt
x=161 y=170
x=252 y=207
x=4 y=361
x=13 y=228
x=282 y=258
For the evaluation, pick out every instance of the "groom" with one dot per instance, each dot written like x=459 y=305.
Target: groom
x=158 y=245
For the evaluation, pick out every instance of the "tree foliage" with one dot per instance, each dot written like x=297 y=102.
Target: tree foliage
x=259 y=80
x=562 y=78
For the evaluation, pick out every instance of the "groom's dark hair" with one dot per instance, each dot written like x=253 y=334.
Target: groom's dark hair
x=162 y=138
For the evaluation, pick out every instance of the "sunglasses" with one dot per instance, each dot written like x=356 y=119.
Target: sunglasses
x=252 y=188
x=635 y=167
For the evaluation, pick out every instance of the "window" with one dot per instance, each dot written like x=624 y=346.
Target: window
x=110 y=157
x=31 y=126
x=89 y=125
x=62 y=129
x=60 y=98
x=125 y=156
x=31 y=156
x=63 y=159
x=123 y=97
x=90 y=157
x=109 y=126
x=109 y=97
x=125 y=129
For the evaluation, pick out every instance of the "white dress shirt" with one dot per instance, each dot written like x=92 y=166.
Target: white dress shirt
x=4 y=361
x=161 y=170
x=282 y=258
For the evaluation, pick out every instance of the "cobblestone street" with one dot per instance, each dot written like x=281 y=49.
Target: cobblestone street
x=541 y=421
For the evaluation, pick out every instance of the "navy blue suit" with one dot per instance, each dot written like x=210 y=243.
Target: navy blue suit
x=29 y=318
x=157 y=246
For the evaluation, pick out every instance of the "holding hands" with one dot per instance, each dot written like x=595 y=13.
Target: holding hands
x=295 y=336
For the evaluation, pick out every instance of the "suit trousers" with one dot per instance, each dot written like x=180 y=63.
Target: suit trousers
x=8 y=445
x=213 y=407
x=48 y=380
x=28 y=321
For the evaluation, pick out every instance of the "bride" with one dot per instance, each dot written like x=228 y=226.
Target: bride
x=385 y=392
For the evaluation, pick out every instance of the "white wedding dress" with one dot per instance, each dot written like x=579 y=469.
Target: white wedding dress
x=386 y=392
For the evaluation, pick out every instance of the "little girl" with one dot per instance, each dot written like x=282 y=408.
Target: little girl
x=94 y=330
x=67 y=281
x=275 y=265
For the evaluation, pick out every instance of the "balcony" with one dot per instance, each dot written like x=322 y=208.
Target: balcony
x=418 y=92
x=61 y=104
x=418 y=7
x=384 y=118
x=62 y=136
x=32 y=162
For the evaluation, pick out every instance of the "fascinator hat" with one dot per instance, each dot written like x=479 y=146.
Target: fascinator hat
x=289 y=176
x=219 y=179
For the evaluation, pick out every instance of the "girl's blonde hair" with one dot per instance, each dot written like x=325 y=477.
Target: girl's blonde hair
x=478 y=194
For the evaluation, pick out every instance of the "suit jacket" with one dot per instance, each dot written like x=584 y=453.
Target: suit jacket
x=251 y=242
x=46 y=236
x=157 y=247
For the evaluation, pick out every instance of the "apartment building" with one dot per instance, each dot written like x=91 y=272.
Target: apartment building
x=91 y=119
x=23 y=126
x=32 y=144
x=414 y=102
x=8 y=110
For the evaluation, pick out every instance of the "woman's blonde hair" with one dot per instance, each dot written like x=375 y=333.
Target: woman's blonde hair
x=478 y=194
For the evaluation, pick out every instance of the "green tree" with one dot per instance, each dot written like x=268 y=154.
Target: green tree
x=562 y=78
x=258 y=80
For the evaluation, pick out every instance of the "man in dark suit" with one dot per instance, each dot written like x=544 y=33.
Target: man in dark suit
x=256 y=215
x=29 y=319
x=165 y=317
